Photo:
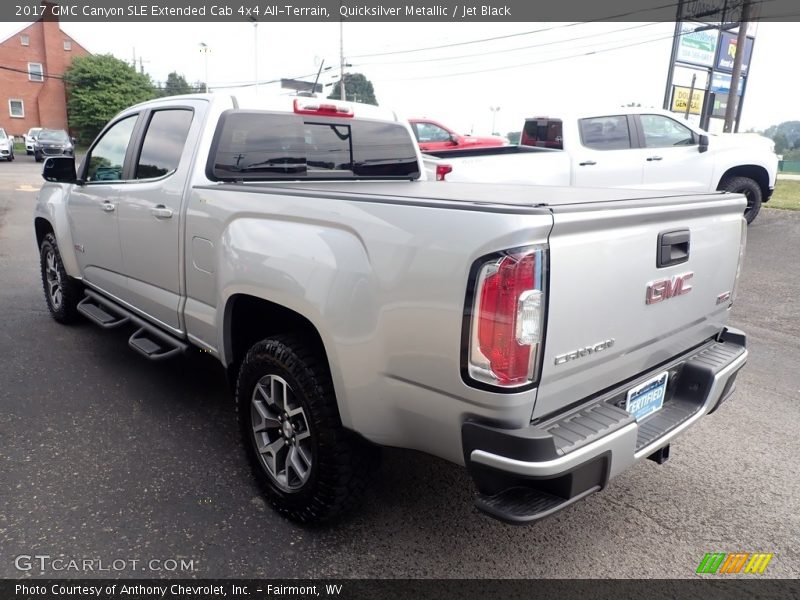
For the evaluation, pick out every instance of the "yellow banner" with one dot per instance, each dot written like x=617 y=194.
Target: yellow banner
x=680 y=98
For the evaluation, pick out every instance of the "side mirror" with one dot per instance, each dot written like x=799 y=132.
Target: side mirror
x=703 y=147
x=60 y=169
x=74 y=140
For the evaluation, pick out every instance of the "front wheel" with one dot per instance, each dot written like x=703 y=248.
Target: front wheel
x=37 y=157
x=309 y=466
x=750 y=189
x=61 y=292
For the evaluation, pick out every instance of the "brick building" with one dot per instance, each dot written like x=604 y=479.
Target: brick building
x=31 y=62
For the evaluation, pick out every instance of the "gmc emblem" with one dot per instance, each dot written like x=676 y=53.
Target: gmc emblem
x=664 y=289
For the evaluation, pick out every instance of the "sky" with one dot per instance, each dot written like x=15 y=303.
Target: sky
x=532 y=69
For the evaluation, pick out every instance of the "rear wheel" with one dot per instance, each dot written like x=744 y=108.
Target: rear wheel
x=751 y=191
x=309 y=466
x=61 y=292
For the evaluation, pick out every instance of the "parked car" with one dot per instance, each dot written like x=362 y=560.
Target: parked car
x=546 y=338
x=52 y=142
x=30 y=138
x=432 y=135
x=624 y=147
x=6 y=146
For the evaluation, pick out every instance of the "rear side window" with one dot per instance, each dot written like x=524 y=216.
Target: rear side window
x=606 y=133
x=545 y=133
x=266 y=145
x=163 y=143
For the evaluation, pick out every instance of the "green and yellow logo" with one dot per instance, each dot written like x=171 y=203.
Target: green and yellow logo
x=734 y=562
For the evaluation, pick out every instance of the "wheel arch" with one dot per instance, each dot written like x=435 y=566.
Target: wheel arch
x=249 y=319
x=42 y=227
x=755 y=172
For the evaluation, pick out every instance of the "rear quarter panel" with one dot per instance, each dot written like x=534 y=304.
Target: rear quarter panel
x=384 y=284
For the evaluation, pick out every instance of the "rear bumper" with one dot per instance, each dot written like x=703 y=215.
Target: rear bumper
x=526 y=474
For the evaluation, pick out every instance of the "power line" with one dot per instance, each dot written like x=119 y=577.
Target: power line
x=511 y=35
x=516 y=66
x=26 y=72
x=516 y=49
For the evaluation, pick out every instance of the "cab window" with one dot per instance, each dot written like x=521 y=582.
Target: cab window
x=428 y=132
x=605 y=133
x=662 y=132
x=107 y=158
x=163 y=143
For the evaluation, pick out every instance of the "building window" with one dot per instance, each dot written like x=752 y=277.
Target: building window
x=16 y=108
x=25 y=40
x=35 y=72
x=67 y=45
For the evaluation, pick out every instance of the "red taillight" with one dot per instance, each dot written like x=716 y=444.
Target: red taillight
x=442 y=170
x=315 y=107
x=507 y=319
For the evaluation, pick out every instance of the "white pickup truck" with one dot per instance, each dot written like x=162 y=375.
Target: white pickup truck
x=545 y=338
x=623 y=147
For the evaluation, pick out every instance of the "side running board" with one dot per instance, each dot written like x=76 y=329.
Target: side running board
x=148 y=340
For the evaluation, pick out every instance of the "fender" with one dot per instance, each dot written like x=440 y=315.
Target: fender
x=51 y=205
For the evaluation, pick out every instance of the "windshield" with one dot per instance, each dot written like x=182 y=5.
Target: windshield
x=51 y=135
x=2 y=134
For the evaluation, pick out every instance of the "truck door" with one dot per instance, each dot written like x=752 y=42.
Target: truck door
x=150 y=212
x=673 y=160
x=93 y=207
x=607 y=155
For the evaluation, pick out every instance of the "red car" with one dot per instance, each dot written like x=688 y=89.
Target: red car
x=432 y=136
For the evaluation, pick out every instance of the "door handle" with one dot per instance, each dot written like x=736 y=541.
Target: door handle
x=107 y=206
x=651 y=158
x=161 y=212
x=587 y=163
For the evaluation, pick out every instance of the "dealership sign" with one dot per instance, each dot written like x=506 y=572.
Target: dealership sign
x=697 y=47
x=721 y=84
x=727 y=53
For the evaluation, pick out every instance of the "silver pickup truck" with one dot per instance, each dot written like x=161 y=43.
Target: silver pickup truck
x=546 y=338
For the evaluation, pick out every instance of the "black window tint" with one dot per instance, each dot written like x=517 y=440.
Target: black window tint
x=383 y=150
x=262 y=145
x=606 y=133
x=546 y=133
x=255 y=145
x=107 y=157
x=163 y=143
x=327 y=147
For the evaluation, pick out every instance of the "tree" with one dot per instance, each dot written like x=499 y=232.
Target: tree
x=357 y=89
x=98 y=87
x=513 y=137
x=781 y=143
x=177 y=85
x=788 y=130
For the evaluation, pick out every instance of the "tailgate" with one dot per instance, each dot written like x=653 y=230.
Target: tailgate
x=603 y=270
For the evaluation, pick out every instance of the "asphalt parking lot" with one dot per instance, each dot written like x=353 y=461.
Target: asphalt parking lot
x=106 y=456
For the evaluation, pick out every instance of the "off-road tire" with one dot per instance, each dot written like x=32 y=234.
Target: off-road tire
x=341 y=462
x=750 y=189
x=66 y=310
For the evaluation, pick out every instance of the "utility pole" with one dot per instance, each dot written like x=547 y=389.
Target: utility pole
x=494 y=110
x=342 y=94
x=741 y=43
x=204 y=49
x=255 y=52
